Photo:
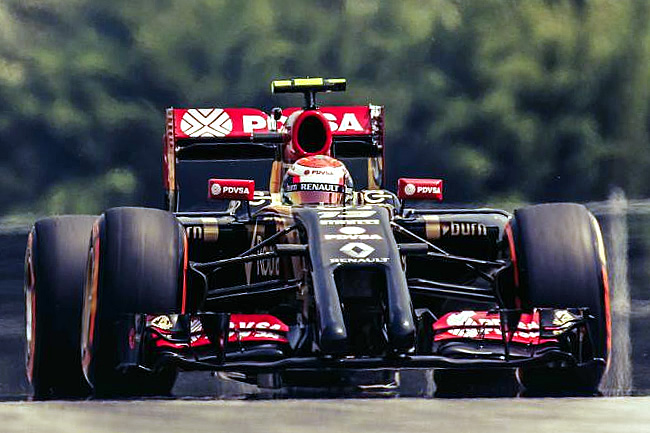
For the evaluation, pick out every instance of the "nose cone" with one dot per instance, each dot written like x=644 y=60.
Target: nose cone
x=333 y=340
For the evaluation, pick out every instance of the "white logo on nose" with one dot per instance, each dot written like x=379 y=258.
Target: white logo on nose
x=352 y=230
x=357 y=250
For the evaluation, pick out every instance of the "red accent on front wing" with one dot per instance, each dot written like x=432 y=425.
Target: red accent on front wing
x=257 y=327
x=160 y=342
x=244 y=328
x=483 y=325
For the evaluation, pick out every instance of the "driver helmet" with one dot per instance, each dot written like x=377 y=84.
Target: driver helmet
x=317 y=179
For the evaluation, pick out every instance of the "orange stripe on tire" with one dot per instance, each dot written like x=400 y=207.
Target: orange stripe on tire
x=513 y=259
x=185 y=261
x=608 y=314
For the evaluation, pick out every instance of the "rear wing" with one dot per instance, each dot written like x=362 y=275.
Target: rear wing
x=213 y=134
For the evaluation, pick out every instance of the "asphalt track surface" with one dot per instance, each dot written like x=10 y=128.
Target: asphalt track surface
x=397 y=415
x=205 y=403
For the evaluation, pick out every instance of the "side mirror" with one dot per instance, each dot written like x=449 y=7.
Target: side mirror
x=419 y=189
x=231 y=189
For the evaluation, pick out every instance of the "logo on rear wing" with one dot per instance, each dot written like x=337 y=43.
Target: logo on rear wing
x=242 y=122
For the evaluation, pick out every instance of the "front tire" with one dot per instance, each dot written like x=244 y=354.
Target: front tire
x=55 y=266
x=560 y=263
x=137 y=265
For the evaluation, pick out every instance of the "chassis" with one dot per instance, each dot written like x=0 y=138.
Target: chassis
x=266 y=288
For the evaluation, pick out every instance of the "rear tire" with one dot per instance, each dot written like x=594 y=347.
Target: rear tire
x=560 y=263
x=55 y=269
x=137 y=266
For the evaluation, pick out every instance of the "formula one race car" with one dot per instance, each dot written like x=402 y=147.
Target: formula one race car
x=308 y=276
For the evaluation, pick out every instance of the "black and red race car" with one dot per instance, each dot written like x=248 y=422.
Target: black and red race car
x=248 y=285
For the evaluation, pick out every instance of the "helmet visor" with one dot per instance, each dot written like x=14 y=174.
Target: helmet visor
x=316 y=197
x=315 y=193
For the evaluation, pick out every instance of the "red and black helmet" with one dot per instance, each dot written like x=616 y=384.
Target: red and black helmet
x=318 y=179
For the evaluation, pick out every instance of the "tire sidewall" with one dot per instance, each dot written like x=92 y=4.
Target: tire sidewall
x=55 y=263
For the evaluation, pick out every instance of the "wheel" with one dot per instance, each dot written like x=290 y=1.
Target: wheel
x=55 y=268
x=137 y=265
x=559 y=260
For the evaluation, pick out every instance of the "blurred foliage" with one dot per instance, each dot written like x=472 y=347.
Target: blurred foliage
x=74 y=196
x=507 y=100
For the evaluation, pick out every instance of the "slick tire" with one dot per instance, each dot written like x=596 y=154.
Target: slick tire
x=55 y=269
x=560 y=263
x=136 y=266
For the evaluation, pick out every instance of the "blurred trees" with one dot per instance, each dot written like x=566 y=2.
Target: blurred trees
x=507 y=100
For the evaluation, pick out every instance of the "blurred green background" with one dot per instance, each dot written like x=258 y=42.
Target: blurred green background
x=507 y=100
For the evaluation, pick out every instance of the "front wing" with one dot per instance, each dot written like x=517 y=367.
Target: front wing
x=257 y=343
